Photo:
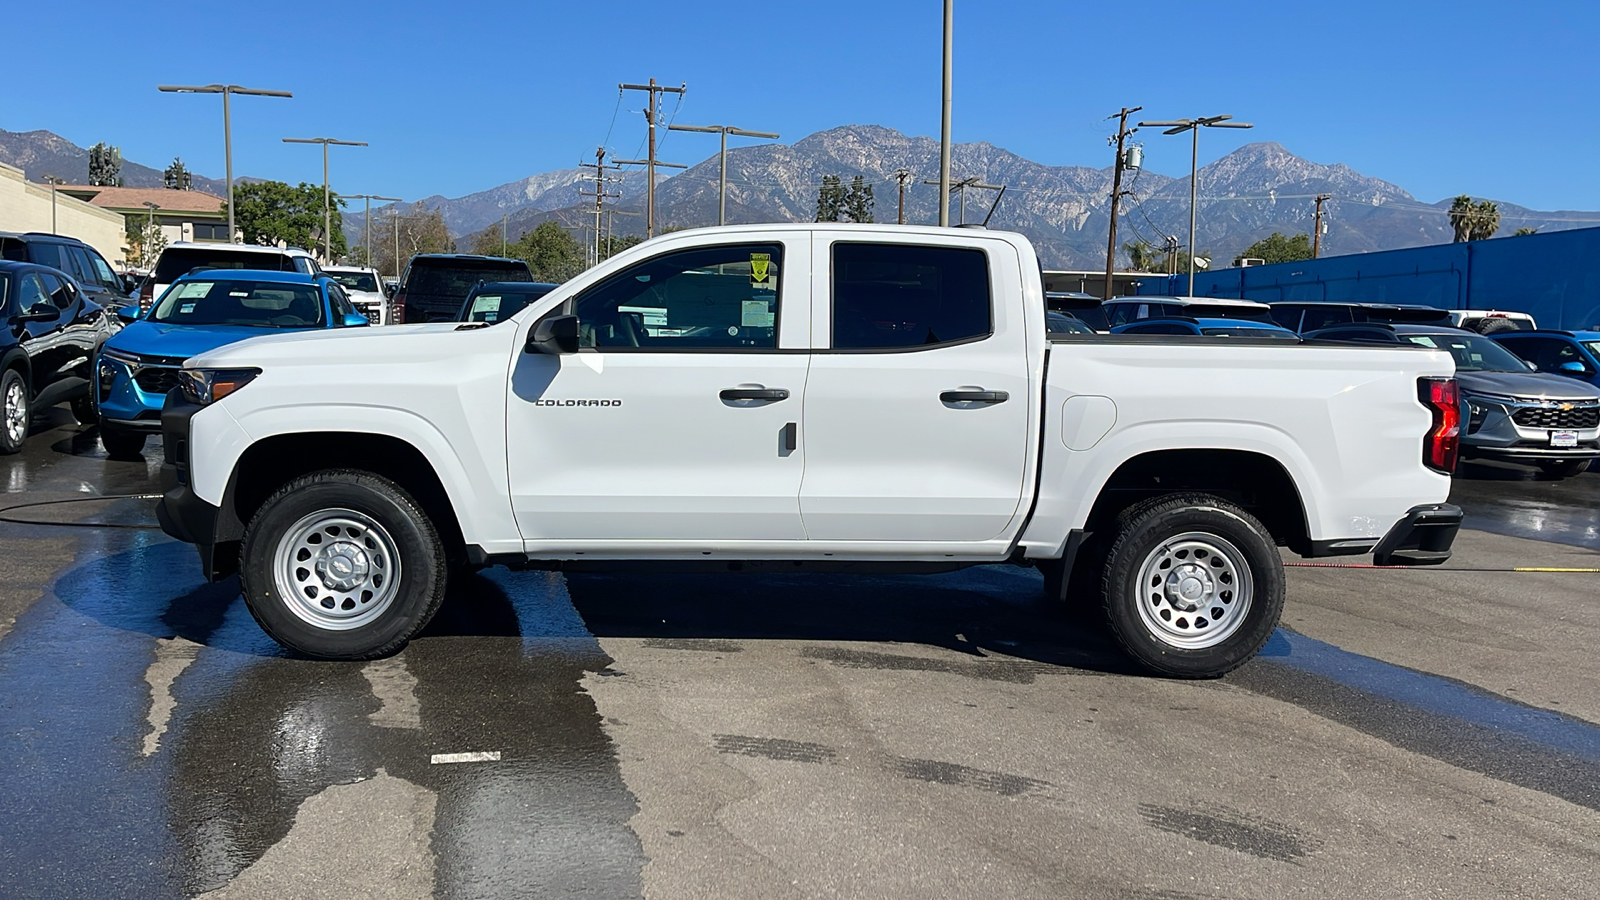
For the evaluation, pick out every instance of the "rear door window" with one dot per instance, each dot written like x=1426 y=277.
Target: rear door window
x=48 y=253
x=898 y=296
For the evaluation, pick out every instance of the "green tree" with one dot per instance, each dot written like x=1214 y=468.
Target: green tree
x=105 y=165
x=490 y=241
x=551 y=252
x=830 y=199
x=145 y=239
x=615 y=244
x=1473 y=221
x=1521 y=232
x=177 y=176
x=1142 y=257
x=1277 y=248
x=858 y=201
x=274 y=214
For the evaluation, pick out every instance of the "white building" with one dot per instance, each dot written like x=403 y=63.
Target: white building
x=25 y=206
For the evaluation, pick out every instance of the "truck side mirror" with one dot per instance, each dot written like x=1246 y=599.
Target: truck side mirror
x=554 y=335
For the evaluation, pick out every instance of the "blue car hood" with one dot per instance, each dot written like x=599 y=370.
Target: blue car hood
x=158 y=339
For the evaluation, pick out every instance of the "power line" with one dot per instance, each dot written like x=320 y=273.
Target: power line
x=654 y=91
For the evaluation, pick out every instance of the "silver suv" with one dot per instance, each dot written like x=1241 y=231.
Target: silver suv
x=1508 y=411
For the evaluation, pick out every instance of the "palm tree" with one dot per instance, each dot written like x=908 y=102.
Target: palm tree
x=1487 y=220
x=1141 y=256
x=1462 y=217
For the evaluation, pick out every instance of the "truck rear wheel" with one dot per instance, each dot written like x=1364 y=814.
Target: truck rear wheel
x=342 y=564
x=1193 y=585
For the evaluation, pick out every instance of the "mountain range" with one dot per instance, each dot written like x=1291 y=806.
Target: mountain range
x=1244 y=196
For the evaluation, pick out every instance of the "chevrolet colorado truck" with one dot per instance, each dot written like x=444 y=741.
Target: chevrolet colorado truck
x=792 y=397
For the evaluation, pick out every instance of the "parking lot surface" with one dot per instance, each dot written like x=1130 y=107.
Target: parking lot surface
x=1408 y=733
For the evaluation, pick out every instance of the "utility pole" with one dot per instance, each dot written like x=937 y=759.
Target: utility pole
x=327 y=197
x=1171 y=250
x=226 y=90
x=599 y=166
x=902 y=176
x=505 y=220
x=1116 y=192
x=722 y=179
x=960 y=188
x=654 y=90
x=1194 y=126
x=1316 y=228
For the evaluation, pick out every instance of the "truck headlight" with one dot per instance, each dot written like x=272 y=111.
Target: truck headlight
x=205 y=386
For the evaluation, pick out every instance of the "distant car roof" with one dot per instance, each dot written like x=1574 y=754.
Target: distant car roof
x=348 y=269
x=1185 y=301
x=465 y=256
x=247 y=248
x=249 y=275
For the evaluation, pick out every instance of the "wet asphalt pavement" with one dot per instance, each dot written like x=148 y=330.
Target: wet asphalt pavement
x=1406 y=734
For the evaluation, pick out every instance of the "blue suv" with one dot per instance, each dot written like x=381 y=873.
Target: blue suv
x=200 y=311
x=1575 y=354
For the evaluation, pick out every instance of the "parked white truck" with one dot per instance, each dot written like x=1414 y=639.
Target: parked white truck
x=785 y=397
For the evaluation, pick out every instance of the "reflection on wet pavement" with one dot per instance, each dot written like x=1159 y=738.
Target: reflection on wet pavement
x=1516 y=501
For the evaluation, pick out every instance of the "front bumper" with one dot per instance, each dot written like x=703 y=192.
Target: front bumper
x=1422 y=538
x=1492 y=429
x=183 y=514
x=123 y=402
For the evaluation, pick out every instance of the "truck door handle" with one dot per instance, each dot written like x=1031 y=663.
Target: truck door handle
x=773 y=394
x=974 y=397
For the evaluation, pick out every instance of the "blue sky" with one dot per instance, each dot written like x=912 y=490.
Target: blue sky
x=1490 y=98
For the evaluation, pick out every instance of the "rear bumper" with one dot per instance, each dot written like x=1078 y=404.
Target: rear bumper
x=1422 y=538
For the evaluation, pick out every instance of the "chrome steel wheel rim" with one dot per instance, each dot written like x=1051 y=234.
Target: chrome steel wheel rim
x=1194 y=591
x=16 y=413
x=337 y=569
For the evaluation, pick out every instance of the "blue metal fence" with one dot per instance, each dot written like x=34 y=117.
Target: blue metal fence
x=1555 y=277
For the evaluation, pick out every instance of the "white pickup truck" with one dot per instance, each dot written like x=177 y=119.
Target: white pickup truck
x=784 y=397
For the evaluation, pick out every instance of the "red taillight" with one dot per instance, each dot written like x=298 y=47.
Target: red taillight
x=397 y=309
x=1443 y=443
x=147 y=294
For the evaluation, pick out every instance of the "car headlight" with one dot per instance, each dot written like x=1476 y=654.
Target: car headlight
x=205 y=386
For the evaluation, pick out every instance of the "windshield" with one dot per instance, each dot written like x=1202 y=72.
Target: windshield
x=1472 y=352
x=499 y=307
x=356 y=281
x=266 y=304
x=176 y=261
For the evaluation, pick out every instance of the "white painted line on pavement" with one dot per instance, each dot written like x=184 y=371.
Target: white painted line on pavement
x=475 y=756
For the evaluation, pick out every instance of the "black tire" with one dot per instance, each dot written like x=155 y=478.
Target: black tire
x=83 y=409
x=1495 y=325
x=1563 y=468
x=398 y=538
x=1230 y=564
x=14 y=392
x=122 y=445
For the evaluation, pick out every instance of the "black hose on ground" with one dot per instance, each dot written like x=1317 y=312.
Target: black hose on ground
x=5 y=512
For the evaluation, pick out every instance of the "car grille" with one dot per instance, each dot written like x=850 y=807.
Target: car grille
x=1556 y=417
x=372 y=311
x=156 y=381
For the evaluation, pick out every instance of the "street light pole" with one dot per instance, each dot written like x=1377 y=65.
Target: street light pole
x=227 y=126
x=366 y=218
x=327 y=197
x=53 y=180
x=1179 y=126
x=944 y=117
x=722 y=178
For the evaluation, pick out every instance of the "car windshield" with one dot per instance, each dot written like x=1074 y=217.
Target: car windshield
x=265 y=304
x=175 y=261
x=356 y=281
x=1472 y=352
x=1246 y=331
x=498 y=307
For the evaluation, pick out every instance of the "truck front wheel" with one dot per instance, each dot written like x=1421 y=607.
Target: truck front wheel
x=342 y=564
x=1193 y=585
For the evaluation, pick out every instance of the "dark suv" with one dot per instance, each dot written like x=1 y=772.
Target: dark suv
x=69 y=255
x=54 y=332
x=436 y=284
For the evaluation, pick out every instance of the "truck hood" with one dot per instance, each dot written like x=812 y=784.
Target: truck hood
x=1532 y=385
x=356 y=346
x=160 y=339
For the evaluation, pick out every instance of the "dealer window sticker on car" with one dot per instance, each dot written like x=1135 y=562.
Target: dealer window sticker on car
x=194 y=290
